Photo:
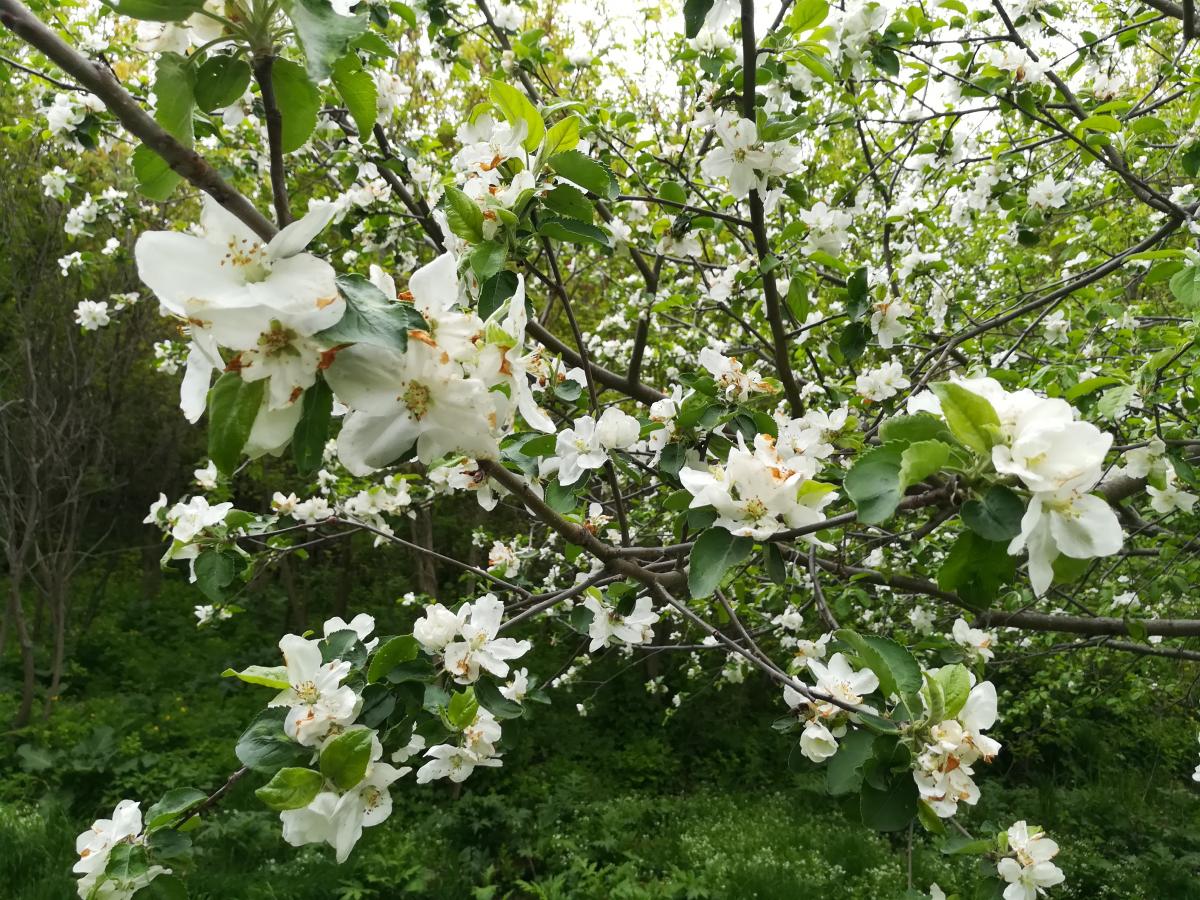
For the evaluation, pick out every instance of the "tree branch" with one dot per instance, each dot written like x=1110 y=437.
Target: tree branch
x=100 y=81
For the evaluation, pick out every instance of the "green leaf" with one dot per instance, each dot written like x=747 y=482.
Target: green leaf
x=873 y=483
x=371 y=318
x=843 y=773
x=220 y=81
x=570 y=202
x=233 y=405
x=324 y=35
x=853 y=340
x=587 y=173
x=308 y=440
x=487 y=259
x=291 y=788
x=997 y=517
x=490 y=698
x=515 y=107
x=214 y=572
x=694 y=13
x=562 y=136
x=268 y=676
x=808 y=14
x=157 y=10
x=976 y=568
x=357 y=90
x=463 y=215
x=1115 y=401
x=174 y=96
x=174 y=803
x=955 y=684
x=714 y=553
x=265 y=747
x=462 y=709
x=345 y=758
x=298 y=100
x=920 y=460
x=1108 y=124
x=572 y=231
x=389 y=655
x=1088 y=386
x=898 y=671
x=156 y=179
x=969 y=415
x=911 y=429
x=495 y=292
x=126 y=862
x=891 y=809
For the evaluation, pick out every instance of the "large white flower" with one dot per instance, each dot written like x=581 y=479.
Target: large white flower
x=401 y=399
x=1067 y=522
x=479 y=647
x=736 y=159
x=260 y=300
x=316 y=697
x=95 y=845
x=578 y=450
x=756 y=494
x=339 y=820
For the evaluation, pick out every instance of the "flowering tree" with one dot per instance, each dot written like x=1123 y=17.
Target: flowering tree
x=833 y=346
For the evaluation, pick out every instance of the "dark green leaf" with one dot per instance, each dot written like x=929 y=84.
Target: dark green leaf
x=324 y=35
x=713 y=554
x=371 y=318
x=345 y=758
x=843 y=773
x=587 y=173
x=157 y=10
x=214 y=572
x=976 y=568
x=997 y=517
x=220 y=81
x=156 y=179
x=496 y=703
x=173 y=804
x=390 y=654
x=265 y=747
x=694 y=13
x=890 y=809
x=573 y=231
x=570 y=202
x=495 y=292
x=308 y=440
x=873 y=483
x=233 y=405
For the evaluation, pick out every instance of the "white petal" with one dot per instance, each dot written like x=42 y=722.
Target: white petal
x=367 y=442
x=295 y=237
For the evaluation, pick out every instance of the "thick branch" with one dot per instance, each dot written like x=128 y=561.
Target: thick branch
x=263 y=66
x=97 y=79
x=758 y=225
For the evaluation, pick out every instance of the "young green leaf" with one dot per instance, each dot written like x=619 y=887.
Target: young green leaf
x=463 y=215
x=221 y=80
x=997 y=517
x=298 y=100
x=290 y=788
x=873 y=483
x=371 y=318
x=515 y=107
x=389 y=655
x=357 y=89
x=970 y=416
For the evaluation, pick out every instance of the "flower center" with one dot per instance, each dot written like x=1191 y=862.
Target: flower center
x=307 y=692
x=416 y=399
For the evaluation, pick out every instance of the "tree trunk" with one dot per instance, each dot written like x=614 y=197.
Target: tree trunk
x=424 y=567
x=16 y=614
